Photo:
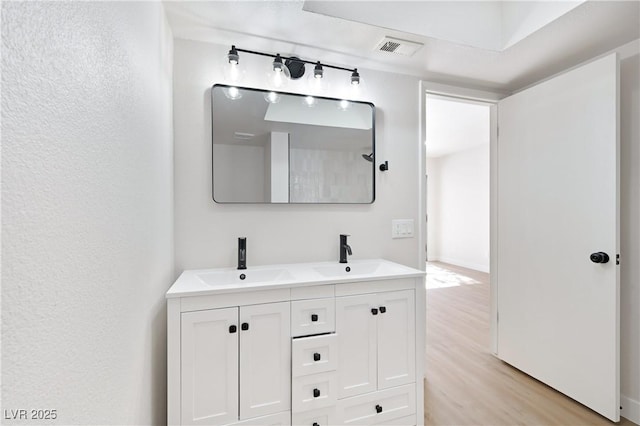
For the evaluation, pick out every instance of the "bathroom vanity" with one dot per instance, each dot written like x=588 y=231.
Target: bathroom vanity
x=305 y=344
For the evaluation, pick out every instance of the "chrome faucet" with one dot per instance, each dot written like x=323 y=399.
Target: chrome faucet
x=242 y=253
x=344 y=248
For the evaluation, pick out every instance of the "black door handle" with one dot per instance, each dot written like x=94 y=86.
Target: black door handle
x=599 y=257
x=378 y=409
x=316 y=393
x=316 y=356
x=314 y=317
x=244 y=326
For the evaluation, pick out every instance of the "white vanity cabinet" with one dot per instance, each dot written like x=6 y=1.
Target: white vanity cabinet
x=376 y=336
x=235 y=363
x=313 y=351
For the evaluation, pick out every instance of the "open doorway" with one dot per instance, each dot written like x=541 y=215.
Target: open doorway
x=458 y=182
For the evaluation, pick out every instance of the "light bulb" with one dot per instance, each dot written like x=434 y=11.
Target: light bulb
x=232 y=71
x=309 y=101
x=317 y=82
x=279 y=75
x=232 y=93
x=272 y=97
x=355 y=77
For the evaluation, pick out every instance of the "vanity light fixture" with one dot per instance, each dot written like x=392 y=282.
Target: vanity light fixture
x=355 y=77
x=232 y=71
x=318 y=71
x=283 y=68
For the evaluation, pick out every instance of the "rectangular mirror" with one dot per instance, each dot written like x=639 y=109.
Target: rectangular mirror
x=272 y=147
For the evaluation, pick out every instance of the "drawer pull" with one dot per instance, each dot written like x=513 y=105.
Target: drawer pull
x=233 y=329
x=378 y=408
x=316 y=356
x=314 y=317
x=316 y=393
x=383 y=309
x=374 y=311
x=244 y=326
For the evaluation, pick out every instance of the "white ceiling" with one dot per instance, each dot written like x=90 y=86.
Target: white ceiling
x=490 y=25
x=454 y=126
x=590 y=29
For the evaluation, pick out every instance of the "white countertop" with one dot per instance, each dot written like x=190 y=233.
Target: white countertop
x=201 y=282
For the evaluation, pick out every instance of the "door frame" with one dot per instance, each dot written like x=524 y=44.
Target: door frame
x=469 y=95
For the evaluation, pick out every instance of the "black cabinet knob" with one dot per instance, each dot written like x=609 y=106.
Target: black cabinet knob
x=316 y=393
x=314 y=317
x=316 y=356
x=378 y=409
x=233 y=329
x=315 y=424
x=374 y=311
x=244 y=326
x=599 y=257
x=383 y=309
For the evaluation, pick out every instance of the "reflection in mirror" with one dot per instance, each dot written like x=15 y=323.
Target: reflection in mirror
x=273 y=147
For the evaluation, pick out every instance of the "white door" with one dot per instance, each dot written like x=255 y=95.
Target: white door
x=356 y=327
x=265 y=359
x=396 y=339
x=209 y=363
x=557 y=204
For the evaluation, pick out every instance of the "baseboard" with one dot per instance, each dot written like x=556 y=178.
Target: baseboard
x=456 y=262
x=630 y=409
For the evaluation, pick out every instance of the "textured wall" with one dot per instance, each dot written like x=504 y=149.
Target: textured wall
x=87 y=210
x=206 y=233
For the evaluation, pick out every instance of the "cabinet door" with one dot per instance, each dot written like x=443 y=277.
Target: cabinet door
x=209 y=362
x=356 y=330
x=396 y=339
x=265 y=359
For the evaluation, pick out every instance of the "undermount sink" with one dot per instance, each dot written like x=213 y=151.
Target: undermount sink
x=346 y=269
x=248 y=276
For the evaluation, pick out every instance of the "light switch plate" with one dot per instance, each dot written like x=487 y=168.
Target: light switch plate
x=402 y=228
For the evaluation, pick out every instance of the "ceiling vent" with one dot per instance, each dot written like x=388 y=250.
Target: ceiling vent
x=397 y=46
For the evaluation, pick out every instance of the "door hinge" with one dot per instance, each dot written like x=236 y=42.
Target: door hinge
x=617 y=259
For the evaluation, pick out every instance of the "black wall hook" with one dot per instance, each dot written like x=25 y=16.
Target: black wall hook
x=384 y=167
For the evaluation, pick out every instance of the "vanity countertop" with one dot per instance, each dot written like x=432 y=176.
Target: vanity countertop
x=200 y=282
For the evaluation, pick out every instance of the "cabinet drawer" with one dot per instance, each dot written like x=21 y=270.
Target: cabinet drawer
x=314 y=391
x=377 y=407
x=313 y=316
x=321 y=417
x=315 y=354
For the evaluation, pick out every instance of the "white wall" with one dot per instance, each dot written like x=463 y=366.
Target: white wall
x=206 y=233
x=87 y=209
x=630 y=236
x=433 y=196
x=242 y=175
x=459 y=208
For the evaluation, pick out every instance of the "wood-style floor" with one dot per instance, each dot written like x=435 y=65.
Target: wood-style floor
x=466 y=384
